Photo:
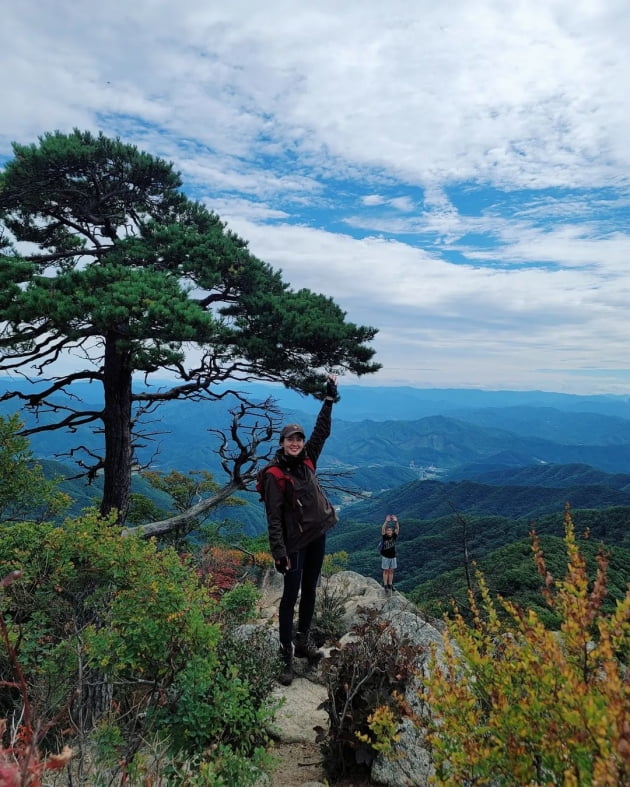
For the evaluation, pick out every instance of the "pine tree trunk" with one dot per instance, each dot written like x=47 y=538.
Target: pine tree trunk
x=117 y=427
x=96 y=700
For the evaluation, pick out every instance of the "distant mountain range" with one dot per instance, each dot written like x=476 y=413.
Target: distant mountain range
x=493 y=462
x=432 y=499
x=433 y=433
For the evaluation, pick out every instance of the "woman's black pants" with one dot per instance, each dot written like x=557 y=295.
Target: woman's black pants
x=306 y=566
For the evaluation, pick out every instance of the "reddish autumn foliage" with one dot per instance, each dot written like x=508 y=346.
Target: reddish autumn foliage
x=220 y=569
x=21 y=764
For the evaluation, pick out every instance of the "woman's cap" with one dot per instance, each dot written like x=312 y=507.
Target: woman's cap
x=290 y=429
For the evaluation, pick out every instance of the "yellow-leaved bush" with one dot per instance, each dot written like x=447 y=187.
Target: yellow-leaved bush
x=514 y=702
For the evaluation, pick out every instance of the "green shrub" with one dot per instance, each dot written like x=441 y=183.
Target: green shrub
x=226 y=769
x=114 y=629
x=157 y=764
x=120 y=640
x=330 y=608
x=207 y=706
x=114 y=604
x=256 y=657
x=238 y=605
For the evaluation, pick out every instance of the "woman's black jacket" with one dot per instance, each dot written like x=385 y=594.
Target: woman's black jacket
x=299 y=513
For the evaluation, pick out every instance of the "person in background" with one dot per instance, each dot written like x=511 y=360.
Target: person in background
x=298 y=518
x=389 y=533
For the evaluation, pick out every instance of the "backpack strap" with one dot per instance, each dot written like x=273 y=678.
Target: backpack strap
x=280 y=475
x=283 y=477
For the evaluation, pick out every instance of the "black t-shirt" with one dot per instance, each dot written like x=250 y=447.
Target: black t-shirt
x=389 y=545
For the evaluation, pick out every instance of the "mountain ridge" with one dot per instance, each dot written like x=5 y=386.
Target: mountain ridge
x=471 y=440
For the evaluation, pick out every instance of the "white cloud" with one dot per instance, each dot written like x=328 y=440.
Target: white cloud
x=521 y=93
x=251 y=211
x=467 y=323
x=373 y=199
x=293 y=121
x=403 y=204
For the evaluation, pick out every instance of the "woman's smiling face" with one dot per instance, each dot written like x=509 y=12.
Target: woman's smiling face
x=293 y=444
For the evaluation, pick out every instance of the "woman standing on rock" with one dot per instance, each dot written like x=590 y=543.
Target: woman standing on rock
x=298 y=518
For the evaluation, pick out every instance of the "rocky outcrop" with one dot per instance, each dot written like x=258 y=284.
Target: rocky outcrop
x=301 y=712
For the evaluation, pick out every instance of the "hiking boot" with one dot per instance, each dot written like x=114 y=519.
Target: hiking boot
x=305 y=647
x=286 y=673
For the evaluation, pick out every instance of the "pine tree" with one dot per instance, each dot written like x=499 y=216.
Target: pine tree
x=105 y=260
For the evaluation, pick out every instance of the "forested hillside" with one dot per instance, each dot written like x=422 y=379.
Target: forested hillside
x=439 y=520
x=511 y=572
x=560 y=476
x=436 y=472
x=430 y=499
x=432 y=557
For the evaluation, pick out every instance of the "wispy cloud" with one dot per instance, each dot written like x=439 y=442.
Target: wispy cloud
x=456 y=174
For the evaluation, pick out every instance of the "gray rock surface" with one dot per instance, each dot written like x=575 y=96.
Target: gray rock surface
x=301 y=714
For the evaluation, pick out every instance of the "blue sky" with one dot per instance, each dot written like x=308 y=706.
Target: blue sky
x=455 y=174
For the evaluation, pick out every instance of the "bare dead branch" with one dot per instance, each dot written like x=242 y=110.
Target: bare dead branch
x=251 y=428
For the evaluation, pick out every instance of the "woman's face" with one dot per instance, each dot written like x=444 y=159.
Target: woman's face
x=293 y=444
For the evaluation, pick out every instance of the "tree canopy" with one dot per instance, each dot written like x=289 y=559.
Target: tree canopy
x=105 y=261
